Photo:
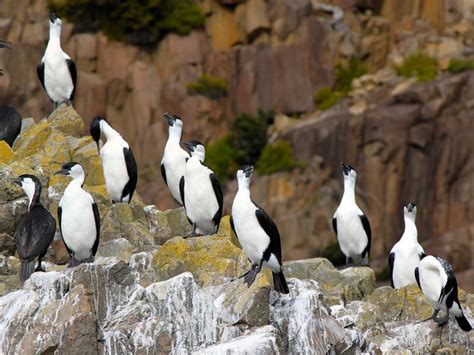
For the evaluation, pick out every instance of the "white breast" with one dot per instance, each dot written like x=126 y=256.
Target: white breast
x=77 y=221
x=251 y=235
x=431 y=281
x=200 y=200
x=57 y=79
x=406 y=260
x=174 y=160
x=115 y=168
x=350 y=232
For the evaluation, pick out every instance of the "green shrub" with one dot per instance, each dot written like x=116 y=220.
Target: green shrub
x=221 y=157
x=421 y=66
x=346 y=73
x=326 y=98
x=459 y=65
x=208 y=86
x=275 y=157
x=138 y=22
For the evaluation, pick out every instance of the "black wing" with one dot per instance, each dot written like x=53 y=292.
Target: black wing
x=163 y=173
x=451 y=286
x=181 y=190
x=232 y=225
x=391 y=261
x=422 y=255
x=334 y=225
x=95 y=209
x=72 y=71
x=10 y=124
x=272 y=231
x=129 y=188
x=220 y=199
x=60 y=213
x=368 y=231
x=40 y=71
x=417 y=277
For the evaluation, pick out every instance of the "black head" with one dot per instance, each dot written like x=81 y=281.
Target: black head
x=94 y=128
x=193 y=144
x=410 y=207
x=20 y=179
x=247 y=170
x=31 y=185
x=68 y=168
x=172 y=119
x=346 y=168
x=52 y=16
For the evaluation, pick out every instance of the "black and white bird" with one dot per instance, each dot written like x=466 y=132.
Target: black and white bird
x=350 y=224
x=435 y=278
x=118 y=163
x=10 y=124
x=174 y=159
x=406 y=253
x=36 y=229
x=57 y=71
x=79 y=219
x=201 y=192
x=257 y=233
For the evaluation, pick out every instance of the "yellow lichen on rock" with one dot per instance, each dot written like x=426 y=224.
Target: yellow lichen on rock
x=6 y=153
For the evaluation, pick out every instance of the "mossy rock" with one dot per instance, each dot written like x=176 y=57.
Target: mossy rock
x=67 y=120
x=32 y=139
x=211 y=259
x=6 y=153
x=87 y=155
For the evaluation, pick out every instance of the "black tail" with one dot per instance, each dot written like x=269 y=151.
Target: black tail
x=464 y=323
x=279 y=282
x=26 y=269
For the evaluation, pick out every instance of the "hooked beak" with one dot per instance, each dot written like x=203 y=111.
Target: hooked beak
x=410 y=207
x=62 y=172
x=187 y=147
x=5 y=44
x=52 y=16
x=248 y=170
x=170 y=119
x=16 y=181
x=345 y=168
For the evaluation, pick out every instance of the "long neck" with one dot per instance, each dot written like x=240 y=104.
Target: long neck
x=244 y=189
x=54 y=36
x=78 y=180
x=411 y=231
x=33 y=196
x=108 y=131
x=349 y=191
x=175 y=133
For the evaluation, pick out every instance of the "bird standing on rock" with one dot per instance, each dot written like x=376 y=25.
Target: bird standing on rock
x=10 y=124
x=36 y=229
x=57 y=71
x=201 y=193
x=406 y=253
x=257 y=233
x=350 y=224
x=435 y=278
x=118 y=162
x=174 y=159
x=79 y=219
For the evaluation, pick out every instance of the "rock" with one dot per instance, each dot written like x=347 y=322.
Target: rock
x=223 y=30
x=167 y=224
x=448 y=48
x=66 y=120
x=256 y=18
x=119 y=248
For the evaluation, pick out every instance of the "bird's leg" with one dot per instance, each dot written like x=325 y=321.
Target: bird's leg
x=349 y=262
x=68 y=102
x=365 y=260
x=245 y=274
x=404 y=304
x=433 y=316
x=39 y=268
x=442 y=321
x=193 y=233
x=250 y=277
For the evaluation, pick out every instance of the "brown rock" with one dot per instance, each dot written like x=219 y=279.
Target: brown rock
x=223 y=30
x=256 y=18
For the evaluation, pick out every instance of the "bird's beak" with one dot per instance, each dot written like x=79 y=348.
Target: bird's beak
x=187 y=147
x=16 y=181
x=52 y=16
x=5 y=44
x=345 y=168
x=248 y=171
x=410 y=207
x=169 y=119
x=62 y=172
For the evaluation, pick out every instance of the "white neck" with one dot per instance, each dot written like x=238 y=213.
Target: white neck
x=411 y=231
x=30 y=192
x=349 y=191
x=108 y=131
x=243 y=192
x=54 y=35
x=244 y=184
x=174 y=133
x=78 y=179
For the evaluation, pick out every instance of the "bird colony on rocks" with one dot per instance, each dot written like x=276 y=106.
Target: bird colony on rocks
x=195 y=187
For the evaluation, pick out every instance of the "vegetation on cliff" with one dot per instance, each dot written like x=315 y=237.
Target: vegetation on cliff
x=137 y=22
x=459 y=65
x=420 y=66
x=275 y=157
x=209 y=86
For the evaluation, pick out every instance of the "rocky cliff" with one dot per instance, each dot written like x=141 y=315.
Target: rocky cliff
x=151 y=291
x=408 y=141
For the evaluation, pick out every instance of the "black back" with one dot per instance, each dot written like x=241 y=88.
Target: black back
x=417 y=277
x=10 y=124
x=40 y=71
x=391 y=261
x=368 y=231
x=334 y=225
x=451 y=286
x=163 y=173
x=35 y=232
x=95 y=209
x=72 y=70
x=220 y=199
x=181 y=189
x=60 y=213
x=129 y=188
x=272 y=231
